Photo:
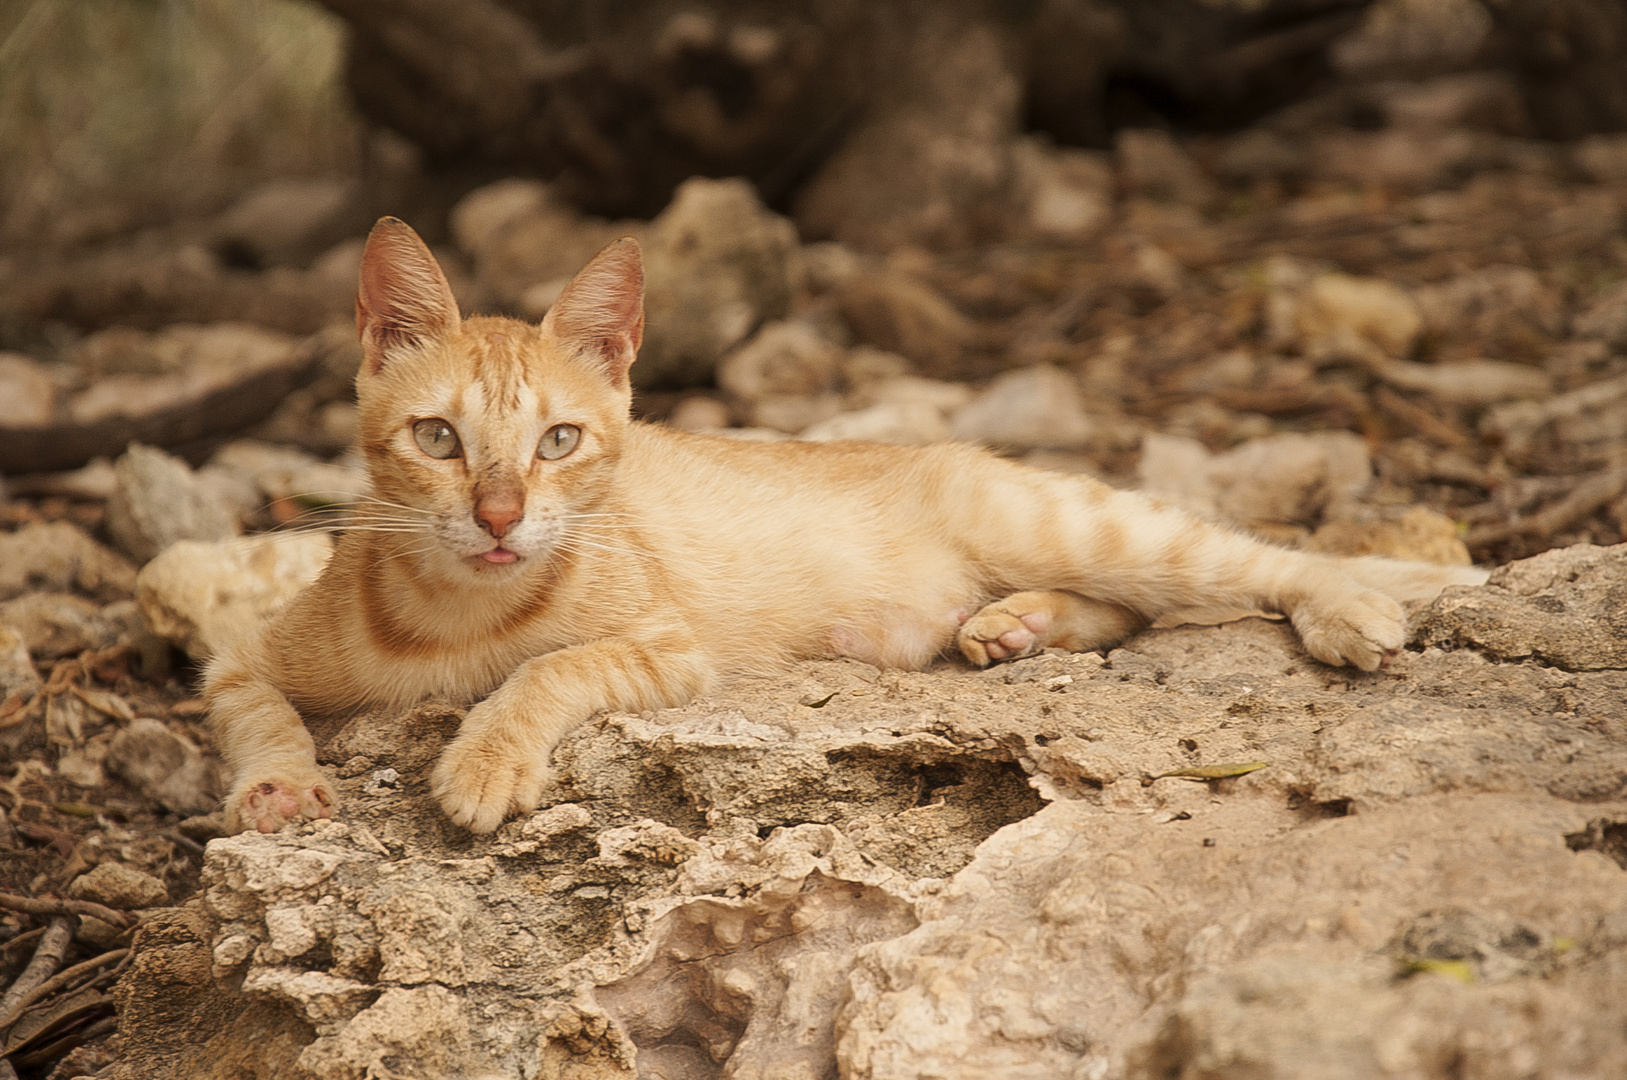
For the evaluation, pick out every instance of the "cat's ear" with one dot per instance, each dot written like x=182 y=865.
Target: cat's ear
x=403 y=298
x=601 y=312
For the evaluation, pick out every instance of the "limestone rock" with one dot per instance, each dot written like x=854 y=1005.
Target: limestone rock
x=201 y=595
x=895 y=312
x=118 y=886
x=843 y=871
x=61 y=624
x=27 y=389
x=717 y=266
x=901 y=424
x=1065 y=194
x=1034 y=407
x=159 y=501
x=1152 y=165
x=166 y=767
x=1368 y=309
x=287 y=221
x=791 y=358
x=1567 y=607
x=1418 y=534
x=1605 y=317
x=57 y=556
x=1280 y=478
x=19 y=680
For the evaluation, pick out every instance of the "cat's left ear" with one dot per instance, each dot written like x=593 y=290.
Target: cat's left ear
x=601 y=312
x=403 y=298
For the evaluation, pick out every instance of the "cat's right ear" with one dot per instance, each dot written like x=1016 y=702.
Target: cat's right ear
x=403 y=298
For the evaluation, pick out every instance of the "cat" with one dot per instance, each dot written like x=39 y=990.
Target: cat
x=533 y=552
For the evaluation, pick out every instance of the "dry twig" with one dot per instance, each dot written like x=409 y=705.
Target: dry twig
x=53 y=947
x=30 y=906
x=1587 y=496
x=57 y=982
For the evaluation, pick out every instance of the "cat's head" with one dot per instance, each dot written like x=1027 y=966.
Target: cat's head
x=494 y=438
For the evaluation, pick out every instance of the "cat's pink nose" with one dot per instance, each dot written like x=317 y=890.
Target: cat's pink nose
x=498 y=513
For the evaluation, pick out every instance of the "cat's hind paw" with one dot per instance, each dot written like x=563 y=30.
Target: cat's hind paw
x=1002 y=632
x=481 y=780
x=1364 y=629
x=267 y=803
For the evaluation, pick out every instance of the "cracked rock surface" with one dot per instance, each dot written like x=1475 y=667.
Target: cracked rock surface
x=847 y=872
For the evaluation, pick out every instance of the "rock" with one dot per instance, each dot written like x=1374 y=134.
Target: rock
x=1034 y=407
x=1064 y=194
x=166 y=767
x=1260 y=154
x=717 y=266
x=60 y=624
x=27 y=388
x=791 y=357
x=280 y=472
x=286 y=222
x=1603 y=158
x=895 y=312
x=840 y=871
x=19 y=681
x=1500 y=310
x=1280 y=478
x=522 y=236
x=945 y=397
x=1152 y=165
x=902 y=424
x=1370 y=309
x=1566 y=607
x=791 y=413
x=178 y=385
x=1466 y=382
x=59 y=557
x=1402 y=159
x=699 y=414
x=159 y=501
x=1419 y=534
x=120 y=887
x=1604 y=318
x=1473 y=100
x=201 y=596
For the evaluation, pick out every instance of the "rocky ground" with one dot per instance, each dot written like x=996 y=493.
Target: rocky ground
x=1367 y=325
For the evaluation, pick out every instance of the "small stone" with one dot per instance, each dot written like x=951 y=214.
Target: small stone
x=58 y=624
x=118 y=886
x=57 y=556
x=1039 y=407
x=1419 y=535
x=717 y=265
x=1603 y=158
x=1067 y=194
x=286 y=222
x=1372 y=309
x=1152 y=165
x=166 y=767
x=896 y=312
x=782 y=358
x=19 y=681
x=907 y=424
x=159 y=501
x=201 y=595
x=1604 y=318
x=699 y=414
x=1280 y=478
x=382 y=782
x=27 y=389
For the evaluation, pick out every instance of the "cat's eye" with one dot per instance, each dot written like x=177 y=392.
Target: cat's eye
x=558 y=441
x=436 y=438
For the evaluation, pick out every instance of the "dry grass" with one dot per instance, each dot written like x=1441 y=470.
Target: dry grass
x=115 y=113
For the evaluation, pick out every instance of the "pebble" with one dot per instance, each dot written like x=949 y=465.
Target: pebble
x=166 y=767
x=58 y=556
x=201 y=595
x=159 y=501
x=59 y=624
x=120 y=887
x=1039 y=407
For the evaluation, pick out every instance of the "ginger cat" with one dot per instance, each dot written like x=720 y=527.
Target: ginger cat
x=534 y=552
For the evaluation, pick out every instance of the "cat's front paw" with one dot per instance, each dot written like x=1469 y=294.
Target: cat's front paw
x=483 y=778
x=1360 y=627
x=266 y=802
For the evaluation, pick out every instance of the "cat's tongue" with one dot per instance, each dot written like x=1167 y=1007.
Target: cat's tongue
x=500 y=555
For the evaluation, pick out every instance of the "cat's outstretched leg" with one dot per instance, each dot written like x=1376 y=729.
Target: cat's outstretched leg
x=1027 y=622
x=268 y=750
x=498 y=764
